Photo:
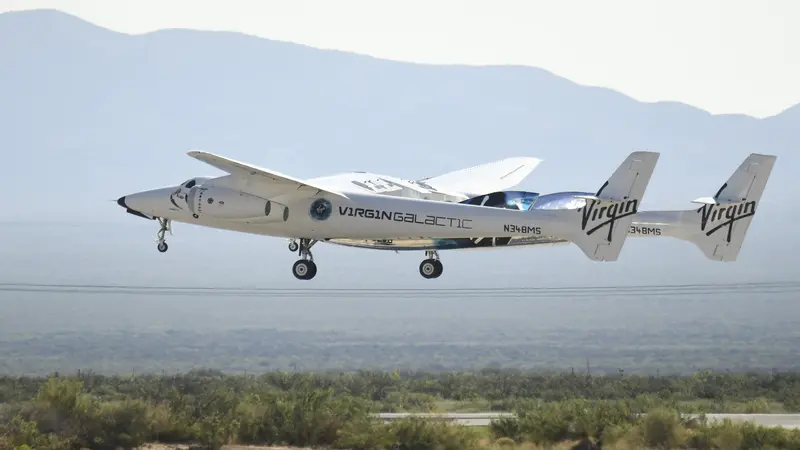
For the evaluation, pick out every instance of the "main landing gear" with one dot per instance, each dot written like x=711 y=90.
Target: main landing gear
x=304 y=268
x=166 y=225
x=431 y=267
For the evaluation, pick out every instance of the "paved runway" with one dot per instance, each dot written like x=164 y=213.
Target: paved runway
x=767 y=420
x=484 y=418
x=469 y=419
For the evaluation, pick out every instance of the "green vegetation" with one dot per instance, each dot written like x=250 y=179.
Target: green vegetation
x=610 y=360
x=336 y=410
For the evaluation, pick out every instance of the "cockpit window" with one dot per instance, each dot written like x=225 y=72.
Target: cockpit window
x=521 y=200
x=189 y=184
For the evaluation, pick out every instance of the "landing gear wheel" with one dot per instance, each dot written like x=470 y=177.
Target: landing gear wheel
x=313 y=272
x=431 y=267
x=304 y=269
x=428 y=268
x=439 y=268
x=293 y=246
x=166 y=225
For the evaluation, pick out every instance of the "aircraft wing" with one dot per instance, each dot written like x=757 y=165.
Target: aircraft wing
x=276 y=181
x=495 y=176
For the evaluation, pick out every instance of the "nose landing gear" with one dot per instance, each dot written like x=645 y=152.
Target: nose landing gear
x=166 y=225
x=304 y=268
x=431 y=267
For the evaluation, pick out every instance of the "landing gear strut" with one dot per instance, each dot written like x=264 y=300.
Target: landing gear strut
x=304 y=268
x=166 y=225
x=431 y=267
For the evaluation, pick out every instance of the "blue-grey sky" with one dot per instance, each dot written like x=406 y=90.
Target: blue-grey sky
x=90 y=111
x=724 y=56
x=96 y=114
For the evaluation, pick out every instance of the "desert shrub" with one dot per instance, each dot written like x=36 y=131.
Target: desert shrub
x=661 y=428
x=364 y=434
x=213 y=431
x=116 y=425
x=169 y=425
x=726 y=436
x=303 y=418
x=506 y=427
x=620 y=436
x=210 y=409
x=505 y=442
x=757 y=406
x=421 y=434
x=757 y=437
x=572 y=420
x=397 y=401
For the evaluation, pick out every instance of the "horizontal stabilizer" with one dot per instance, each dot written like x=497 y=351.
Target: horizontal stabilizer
x=710 y=201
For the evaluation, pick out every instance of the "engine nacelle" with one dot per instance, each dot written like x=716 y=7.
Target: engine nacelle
x=231 y=204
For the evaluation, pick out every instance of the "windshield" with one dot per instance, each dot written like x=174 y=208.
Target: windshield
x=520 y=200
x=561 y=200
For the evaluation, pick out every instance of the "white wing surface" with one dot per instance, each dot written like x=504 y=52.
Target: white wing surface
x=495 y=176
x=278 y=183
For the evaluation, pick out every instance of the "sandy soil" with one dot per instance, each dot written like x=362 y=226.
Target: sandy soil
x=227 y=447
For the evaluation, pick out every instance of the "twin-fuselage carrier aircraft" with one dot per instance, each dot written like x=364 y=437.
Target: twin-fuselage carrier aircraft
x=466 y=209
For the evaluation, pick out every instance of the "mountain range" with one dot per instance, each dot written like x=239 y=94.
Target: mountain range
x=88 y=114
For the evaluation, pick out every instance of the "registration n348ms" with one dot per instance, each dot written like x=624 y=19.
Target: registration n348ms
x=510 y=228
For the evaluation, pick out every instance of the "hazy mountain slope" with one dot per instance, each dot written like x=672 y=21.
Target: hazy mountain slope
x=88 y=114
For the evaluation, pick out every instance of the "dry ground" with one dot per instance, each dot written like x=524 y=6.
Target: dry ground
x=485 y=443
x=227 y=447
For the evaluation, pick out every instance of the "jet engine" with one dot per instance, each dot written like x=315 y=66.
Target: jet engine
x=230 y=204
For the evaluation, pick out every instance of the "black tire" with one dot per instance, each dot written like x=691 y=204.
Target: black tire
x=428 y=268
x=162 y=247
x=313 y=271
x=439 y=269
x=304 y=269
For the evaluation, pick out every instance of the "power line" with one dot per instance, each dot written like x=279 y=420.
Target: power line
x=461 y=289
x=676 y=290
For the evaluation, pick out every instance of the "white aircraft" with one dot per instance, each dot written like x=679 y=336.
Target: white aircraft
x=451 y=211
x=717 y=227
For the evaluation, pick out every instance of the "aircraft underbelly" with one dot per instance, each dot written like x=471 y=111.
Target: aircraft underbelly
x=445 y=244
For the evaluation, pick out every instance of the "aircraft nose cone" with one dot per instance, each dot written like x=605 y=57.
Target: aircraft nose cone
x=121 y=202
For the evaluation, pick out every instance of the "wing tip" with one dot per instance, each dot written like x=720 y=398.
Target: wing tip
x=198 y=153
x=532 y=160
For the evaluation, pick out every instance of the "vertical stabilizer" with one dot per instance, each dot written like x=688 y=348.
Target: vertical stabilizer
x=724 y=219
x=719 y=226
x=607 y=215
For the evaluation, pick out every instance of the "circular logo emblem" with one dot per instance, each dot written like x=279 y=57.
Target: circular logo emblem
x=321 y=209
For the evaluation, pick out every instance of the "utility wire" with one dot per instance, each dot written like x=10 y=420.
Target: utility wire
x=676 y=290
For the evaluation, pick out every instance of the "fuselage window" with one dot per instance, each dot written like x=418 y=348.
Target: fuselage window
x=190 y=184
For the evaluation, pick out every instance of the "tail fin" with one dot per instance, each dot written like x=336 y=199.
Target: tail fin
x=722 y=222
x=607 y=215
